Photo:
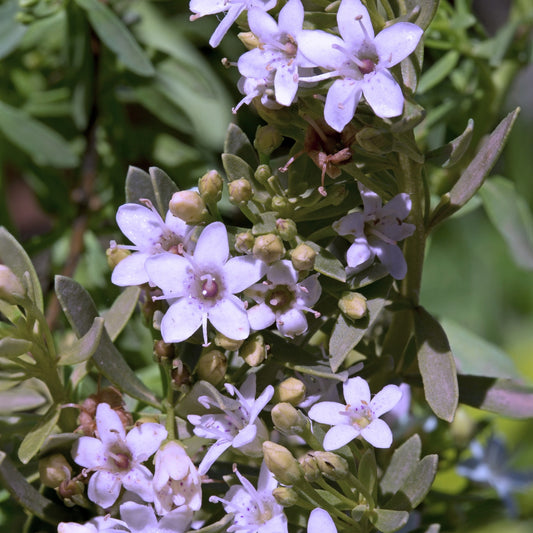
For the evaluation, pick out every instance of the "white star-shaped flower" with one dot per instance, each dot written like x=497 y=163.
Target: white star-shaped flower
x=238 y=427
x=176 y=480
x=254 y=510
x=234 y=8
x=361 y=61
x=376 y=232
x=115 y=458
x=283 y=300
x=145 y=228
x=359 y=417
x=202 y=287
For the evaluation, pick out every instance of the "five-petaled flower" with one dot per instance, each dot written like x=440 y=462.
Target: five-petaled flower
x=360 y=61
x=115 y=459
x=360 y=417
x=376 y=231
x=203 y=286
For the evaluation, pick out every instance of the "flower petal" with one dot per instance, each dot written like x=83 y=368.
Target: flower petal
x=140 y=225
x=383 y=94
x=231 y=16
x=391 y=256
x=291 y=17
x=131 y=271
x=317 y=46
x=89 y=452
x=109 y=425
x=245 y=436
x=229 y=317
x=144 y=440
x=359 y=254
x=371 y=200
x=177 y=521
x=262 y=25
x=212 y=247
x=378 y=434
x=341 y=102
x=261 y=316
x=104 y=488
x=140 y=517
x=351 y=224
x=214 y=452
x=291 y=323
x=395 y=43
x=352 y=17
x=385 y=399
x=173 y=274
x=282 y=273
x=328 y=413
x=356 y=391
x=139 y=481
x=181 y=320
x=320 y=522
x=338 y=436
x=241 y=272
x=286 y=83
x=398 y=207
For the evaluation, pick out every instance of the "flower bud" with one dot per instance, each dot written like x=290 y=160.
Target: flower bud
x=53 y=470
x=268 y=248
x=331 y=465
x=285 y=496
x=267 y=139
x=115 y=255
x=288 y=419
x=244 y=242
x=286 y=228
x=262 y=173
x=226 y=343
x=303 y=257
x=212 y=366
x=179 y=374
x=11 y=289
x=71 y=491
x=210 y=186
x=353 y=305
x=254 y=351
x=291 y=390
x=189 y=206
x=163 y=350
x=309 y=466
x=240 y=191
x=281 y=463
x=248 y=39
x=463 y=428
x=281 y=205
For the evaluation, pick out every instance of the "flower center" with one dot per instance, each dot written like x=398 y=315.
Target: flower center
x=170 y=242
x=361 y=416
x=366 y=66
x=279 y=298
x=209 y=287
x=121 y=459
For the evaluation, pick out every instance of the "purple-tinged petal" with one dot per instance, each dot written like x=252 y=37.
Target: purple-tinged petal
x=391 y=256
x=139 y=481
x=318 y=47
x=104 y=488
x=291 y=323
x=291 y=17
x=140 y=225
x=352 y=17
x=214 y=452
x=338 y=436
x=378 y=434
x=212 y=247
x=181 y=320
x=282 y=273
x=398 y=207
x=260 y=403
x=231 y=16
x=383 y=94
x=262 y=25
x=395 y=43
x=385 y=399
x=109 y=425
x=330 y=413
x=286 y=83
x=173 y=274
x=141 y=517
x=356 y=391
x=351 y=224
x=320 y=522
x=254 y=63
x=261 y=317
x=242 y=272
x=312 y=292
x=207 y=7
x=341 y=102
x=229 y=317
x=144 y=440
x=131 y=271
x=177 y=521
x=266 y=481
x=371 y=200
x=359 y=254
x=245 y=436
x=89 y=452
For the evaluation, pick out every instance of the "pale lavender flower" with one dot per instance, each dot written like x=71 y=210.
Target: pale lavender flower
x=359 y=417
x=202 y=287
x=95 y=525
x=254 y=510
x=150 y=235
x=283 y=300
x=238 y=427
x=360 y=61
x=262 y=88
x=116 y=458
x=320 y=522
x=234 y=8
x=376 y=232
x=142 y=519
x=176 y=480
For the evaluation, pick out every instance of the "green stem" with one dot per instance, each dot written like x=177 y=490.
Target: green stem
x=326 y=486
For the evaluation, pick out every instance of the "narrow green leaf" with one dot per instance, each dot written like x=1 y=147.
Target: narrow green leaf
x=347 y=333
x=506 y=397
x=438 y=71
x=28 y=497
x=236 y=168
x=511 y=216
x=426 y=11
x=82 y=349
x=327 y=264
x=120 y=312
x=478 y=169
x=190 y=404
x=237 y=143
x=13 y=255
x=80 y=310
x=14 y=347
x=367 y=473
x=117 y=37
x=11 y=31
x=403 y=462
x=23 y=397
x=448 y=155
x=266 y=223
x=475 y=356
x=34 y=439
x=437 y=365
x=387 y=520
x=43 y=144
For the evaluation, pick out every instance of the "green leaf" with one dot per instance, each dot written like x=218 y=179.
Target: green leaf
x=237 y=168
x=44 y=145
x=82 y=349
x=120 y=312
x=506 y=397
x=237 y=143
x=511 y=216
x=475 y=356
x=387 y=520
x=367 y=473
x=156 y=187
x=426 y=11
x=34 y=439
x=478 y=169
x=437 y=365
x=80 y=310
x=116 y=36
x=266 y=223
x=13 y=255
x=221 y=525
x=347 y=333
x=190 y=404
x=28 y=497
x=327 y=264
x=11 y=31
x=439 y=71
x=26 y=396
x=14 y=347
x=404 y=461
x=448 y=155
x=416 y=486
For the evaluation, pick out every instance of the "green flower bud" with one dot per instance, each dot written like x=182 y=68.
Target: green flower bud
x=189 y=206
x=353 y=305
x=53 y=470
x=262 y=173
x=115 y=255
x=285 y=496
x=226 y=343
x=462 y=428
x=244 y=242
x=254 y=351
x=281 y=205
x=210 y=186
x=268 y=248
x=240 y=191
x=281 y=463
x=288 y=419
x=11 y=290
x=267 y=139
x=212 y=366
x=303 y=257
x=286 y=228
x=291 y=390
x=309 y=466
x=331 y=465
